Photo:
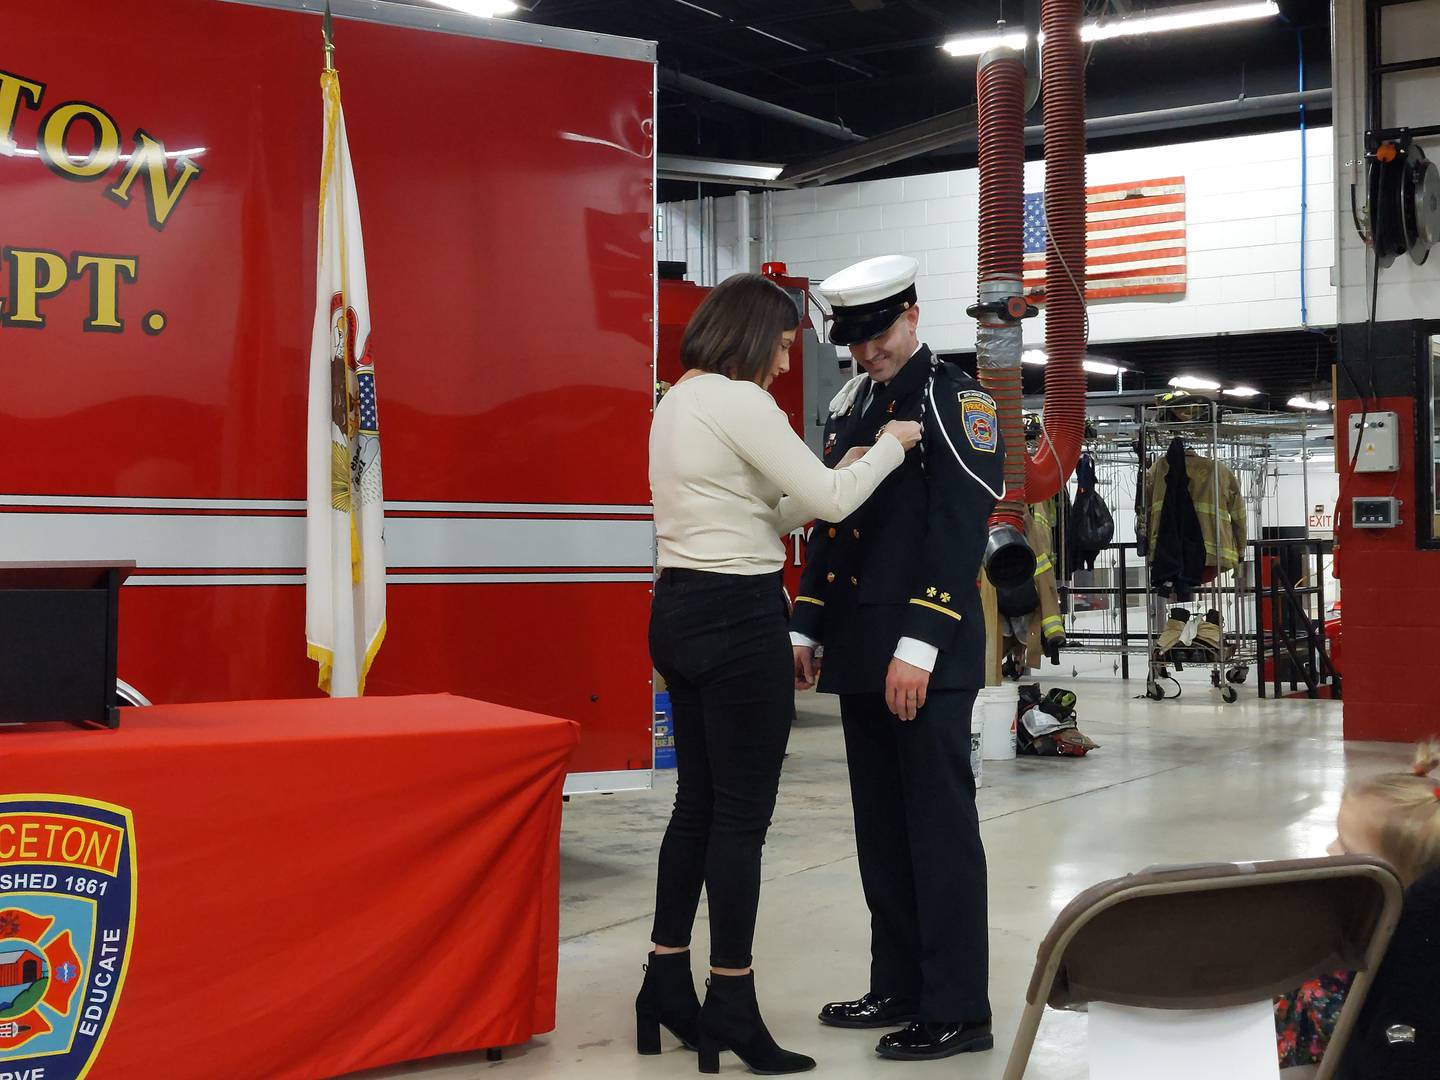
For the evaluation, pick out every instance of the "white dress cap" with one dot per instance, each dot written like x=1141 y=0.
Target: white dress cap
x=870 y=281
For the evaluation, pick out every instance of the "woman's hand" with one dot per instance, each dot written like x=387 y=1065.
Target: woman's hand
x=906 y=431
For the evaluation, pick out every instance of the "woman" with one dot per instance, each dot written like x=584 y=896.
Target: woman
x=728 y=478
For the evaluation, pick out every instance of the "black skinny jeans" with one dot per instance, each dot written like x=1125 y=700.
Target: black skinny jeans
x=722 y=644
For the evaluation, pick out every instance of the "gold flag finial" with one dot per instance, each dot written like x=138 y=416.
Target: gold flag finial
x=329 y=39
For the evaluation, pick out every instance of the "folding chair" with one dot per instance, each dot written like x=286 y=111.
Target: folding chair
x=1213 y=937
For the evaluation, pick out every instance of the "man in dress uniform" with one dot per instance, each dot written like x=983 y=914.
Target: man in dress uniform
x=891 y=593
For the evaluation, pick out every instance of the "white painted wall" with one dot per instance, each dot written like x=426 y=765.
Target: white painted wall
x=1243 y=237
x=1406 y=291
x=1294 y=492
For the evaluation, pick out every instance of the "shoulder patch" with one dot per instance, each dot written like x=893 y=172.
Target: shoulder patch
x=980 y=419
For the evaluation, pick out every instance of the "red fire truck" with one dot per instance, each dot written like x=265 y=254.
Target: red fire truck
x=159 y=164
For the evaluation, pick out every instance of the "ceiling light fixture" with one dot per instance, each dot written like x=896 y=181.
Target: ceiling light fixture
x=1037 y=357
x=1102 y=367
x=1299 y=401
x=482 y=9
x=1241 y=391
x=976 y=44
x=1187 y=17
x=1191 y=382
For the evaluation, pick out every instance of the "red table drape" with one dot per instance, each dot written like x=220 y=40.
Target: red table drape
x=319 y=886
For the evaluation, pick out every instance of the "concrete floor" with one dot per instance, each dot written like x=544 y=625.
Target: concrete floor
x=1176 y=781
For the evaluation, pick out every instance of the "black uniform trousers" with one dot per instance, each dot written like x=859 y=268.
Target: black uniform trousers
x=922 y=864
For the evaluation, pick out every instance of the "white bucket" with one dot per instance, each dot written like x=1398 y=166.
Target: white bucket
x=977 y=759
x=995 y=719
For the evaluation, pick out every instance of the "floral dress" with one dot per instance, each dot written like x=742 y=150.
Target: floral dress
x=1305 y=1019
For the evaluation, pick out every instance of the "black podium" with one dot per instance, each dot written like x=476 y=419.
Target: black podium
x=58 y=625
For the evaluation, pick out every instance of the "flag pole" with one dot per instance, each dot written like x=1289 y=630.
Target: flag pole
x=328 y=30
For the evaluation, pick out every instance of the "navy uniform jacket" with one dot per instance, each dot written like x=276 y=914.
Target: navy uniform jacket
x=906 y=563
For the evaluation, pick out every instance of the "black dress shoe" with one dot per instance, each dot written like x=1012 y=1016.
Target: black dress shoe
x=870 y=1011
x=922 y=1041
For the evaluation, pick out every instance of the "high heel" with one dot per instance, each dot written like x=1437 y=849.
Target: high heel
x=709 y=1055
x=667 y=998
x=730 y=1019
x=647 y=1034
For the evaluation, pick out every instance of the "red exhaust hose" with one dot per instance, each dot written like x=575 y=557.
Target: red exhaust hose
x=1062 y=59
x=1000 y=91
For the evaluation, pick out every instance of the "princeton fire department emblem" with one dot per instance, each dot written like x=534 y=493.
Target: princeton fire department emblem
x=67 y=917
x=981 y=421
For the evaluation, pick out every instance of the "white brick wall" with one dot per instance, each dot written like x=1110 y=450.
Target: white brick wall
x=1242 y=224
x=682 y=238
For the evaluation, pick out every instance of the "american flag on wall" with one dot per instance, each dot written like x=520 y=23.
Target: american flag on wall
x=1134 y=240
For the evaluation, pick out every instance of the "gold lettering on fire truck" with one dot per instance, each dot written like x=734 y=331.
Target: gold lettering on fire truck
x=36 y=274
x=80 y=142
x=55 y=130
x=33 y=274
x=105 y=288
x=55 y=146
x=150 y=155
x=12 y=89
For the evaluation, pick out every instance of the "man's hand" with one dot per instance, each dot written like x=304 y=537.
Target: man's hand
x=905 y=686
x=806 y=668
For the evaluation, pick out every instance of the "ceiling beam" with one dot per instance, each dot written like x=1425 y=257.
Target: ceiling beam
x=848 y=52
x=687 y=84
x=903 y=143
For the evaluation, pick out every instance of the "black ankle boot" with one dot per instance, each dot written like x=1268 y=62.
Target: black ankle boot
x=731 y=1020
x=667 y=996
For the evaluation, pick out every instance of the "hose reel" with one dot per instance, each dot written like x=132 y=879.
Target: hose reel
x=1404 y=200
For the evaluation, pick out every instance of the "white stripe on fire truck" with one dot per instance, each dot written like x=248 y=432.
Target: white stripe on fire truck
x=397 y=579
x=110 y=502
x=236 y=542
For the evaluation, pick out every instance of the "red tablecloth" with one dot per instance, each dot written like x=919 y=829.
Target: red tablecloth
x=319 y=886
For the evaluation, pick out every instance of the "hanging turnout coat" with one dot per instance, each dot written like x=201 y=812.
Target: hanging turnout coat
x=1219 y=506
x=1177 y=544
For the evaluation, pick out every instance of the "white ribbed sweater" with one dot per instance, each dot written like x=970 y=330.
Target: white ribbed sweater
x=729 y=477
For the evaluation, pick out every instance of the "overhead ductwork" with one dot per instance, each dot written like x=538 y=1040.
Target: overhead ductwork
x=688 y=84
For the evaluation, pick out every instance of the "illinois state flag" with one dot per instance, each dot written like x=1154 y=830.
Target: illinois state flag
x=345 y=511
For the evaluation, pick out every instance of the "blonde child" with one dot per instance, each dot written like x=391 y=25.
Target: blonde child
x=1395 y=816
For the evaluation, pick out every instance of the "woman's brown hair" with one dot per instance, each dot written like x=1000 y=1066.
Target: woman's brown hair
x=736 y=328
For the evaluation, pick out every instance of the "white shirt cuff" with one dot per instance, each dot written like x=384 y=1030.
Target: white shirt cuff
x=913 y=651
x=801 y=641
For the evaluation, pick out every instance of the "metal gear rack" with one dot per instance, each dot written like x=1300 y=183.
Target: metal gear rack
x=1097 y=606
x=1242 y=441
